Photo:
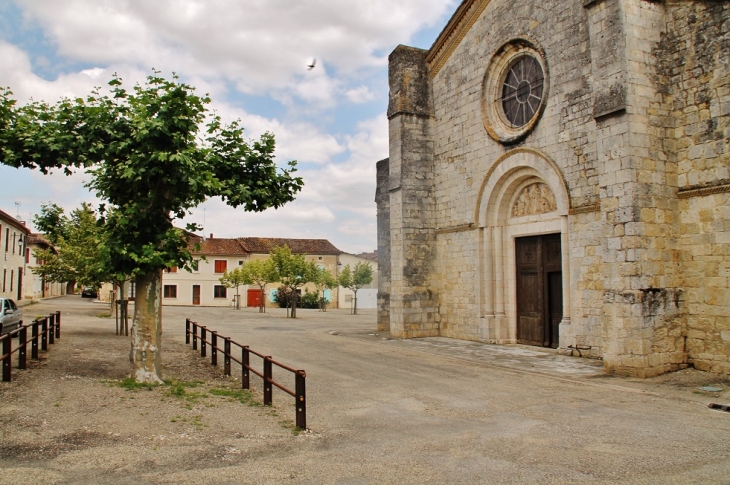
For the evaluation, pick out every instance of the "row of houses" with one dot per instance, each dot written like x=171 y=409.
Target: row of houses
x=203 y=287
x=181 y=288
x=16 y=245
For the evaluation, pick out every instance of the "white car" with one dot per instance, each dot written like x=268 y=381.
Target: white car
x=11 y=317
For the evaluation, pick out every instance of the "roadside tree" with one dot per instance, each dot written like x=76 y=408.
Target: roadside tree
x=355 y=279
x=293 y=271
x=77 y=242
x=234 y=279
x=149 y=161
x=260 y=272
x=324 y=280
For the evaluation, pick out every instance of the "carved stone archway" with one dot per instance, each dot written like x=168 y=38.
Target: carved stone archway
x=523 y=194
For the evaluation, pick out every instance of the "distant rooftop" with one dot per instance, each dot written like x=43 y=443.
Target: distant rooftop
x=261 y=245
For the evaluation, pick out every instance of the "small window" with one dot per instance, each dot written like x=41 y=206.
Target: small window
x=219 y=291
x=171 y=270
x=221 y=265
x=240 y=263
x=320 y=258
x=169 y=291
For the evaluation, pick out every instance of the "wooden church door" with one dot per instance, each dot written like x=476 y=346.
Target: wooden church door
x=539 y=289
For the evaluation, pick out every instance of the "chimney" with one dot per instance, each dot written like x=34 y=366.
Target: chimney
x=211 y=235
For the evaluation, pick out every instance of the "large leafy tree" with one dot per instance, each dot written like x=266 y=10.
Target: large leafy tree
x=77 y=241
x=150 y=162
x=293 y=271
x=355 y=279
x=260 y=272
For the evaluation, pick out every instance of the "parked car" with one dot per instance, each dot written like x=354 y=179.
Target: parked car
x=11 y=317
x=88 y=292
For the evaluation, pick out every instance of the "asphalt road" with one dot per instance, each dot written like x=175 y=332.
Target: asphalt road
x=380 y=411
x=435 y=413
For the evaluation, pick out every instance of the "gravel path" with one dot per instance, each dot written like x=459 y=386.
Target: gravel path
x=380 y=411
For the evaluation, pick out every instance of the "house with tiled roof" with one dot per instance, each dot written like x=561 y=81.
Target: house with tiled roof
x=203 y=287
x=36 y=286
x=13 y=235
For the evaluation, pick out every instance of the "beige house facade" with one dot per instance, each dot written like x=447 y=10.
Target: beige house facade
x=559 y=175
x=36 y=287
x=13 y=238
x=203 y=287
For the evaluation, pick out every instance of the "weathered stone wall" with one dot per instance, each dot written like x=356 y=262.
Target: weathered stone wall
x=465 y=153
x=637 y=125
x=413 y=302
x=693 y=72
x=382 y=202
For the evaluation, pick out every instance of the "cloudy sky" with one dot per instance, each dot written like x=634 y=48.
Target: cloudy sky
x=251 y=57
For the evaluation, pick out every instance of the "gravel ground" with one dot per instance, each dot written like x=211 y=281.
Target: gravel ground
x=380 y=411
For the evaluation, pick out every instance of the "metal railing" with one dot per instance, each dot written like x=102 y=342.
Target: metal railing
x=299 y=393
x=43 y=331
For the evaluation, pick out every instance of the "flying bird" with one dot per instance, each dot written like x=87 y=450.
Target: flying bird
x=311 y=65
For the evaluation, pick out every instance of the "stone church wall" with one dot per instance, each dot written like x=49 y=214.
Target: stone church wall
x=634 y=144
x=693 y=72
x=464 y=153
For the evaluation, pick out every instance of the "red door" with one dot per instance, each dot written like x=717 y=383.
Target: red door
x=196 y=294
x=254 y=298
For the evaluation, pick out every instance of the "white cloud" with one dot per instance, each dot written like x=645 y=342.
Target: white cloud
x=260 y=46
x=225 y=47
x=361 y=94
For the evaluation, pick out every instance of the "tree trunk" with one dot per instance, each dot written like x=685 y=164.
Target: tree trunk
x=238 y=300
x=262 y=300
x=145 y=354
x=293 y=300
x=354 y=311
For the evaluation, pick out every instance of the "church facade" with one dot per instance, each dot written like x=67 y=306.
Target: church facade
x=559 y=176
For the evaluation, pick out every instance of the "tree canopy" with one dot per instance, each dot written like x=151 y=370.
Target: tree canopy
x=77 y=242
x=234 y=279
x=293 y=271
x=260 y=272
x=151 y=163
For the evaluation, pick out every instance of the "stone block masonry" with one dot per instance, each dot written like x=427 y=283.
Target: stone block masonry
x=633 y=145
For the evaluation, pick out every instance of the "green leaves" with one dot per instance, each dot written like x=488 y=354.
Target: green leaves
x=355 y=279
x=78 y=246
x=146 y=157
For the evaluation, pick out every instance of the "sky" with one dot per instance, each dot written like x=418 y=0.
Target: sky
x=251 y=57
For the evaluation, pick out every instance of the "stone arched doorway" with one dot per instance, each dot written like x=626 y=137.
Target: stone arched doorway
x=522 y=216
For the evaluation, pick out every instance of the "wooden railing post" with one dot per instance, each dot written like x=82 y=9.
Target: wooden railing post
x=214 y=349
x=268 y=377
x=58 y=324
x=44 y=334
x=22 y=346
x=195 y=335
x=7 y=352
x=245 y=374
x=227 y=356
x=52 y=329
x=203 y=352
x=187 y=331
x=34 y=337
x=301 y=399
